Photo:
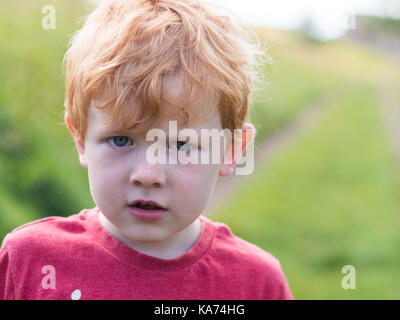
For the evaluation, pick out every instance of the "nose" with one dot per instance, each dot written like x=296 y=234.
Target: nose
x=148 y=175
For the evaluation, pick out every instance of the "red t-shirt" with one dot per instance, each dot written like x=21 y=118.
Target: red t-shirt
x=76 y=258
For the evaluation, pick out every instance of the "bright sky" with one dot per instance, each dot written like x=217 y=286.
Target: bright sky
x=331 y=17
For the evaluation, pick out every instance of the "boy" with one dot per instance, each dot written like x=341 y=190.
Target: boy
x=138 y=65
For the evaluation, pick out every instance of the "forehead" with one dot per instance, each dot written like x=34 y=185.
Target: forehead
x=97 y=120
x=202 y=114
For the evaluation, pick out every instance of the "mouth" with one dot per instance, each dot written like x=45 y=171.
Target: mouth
x=147 y=205
x=147 y=210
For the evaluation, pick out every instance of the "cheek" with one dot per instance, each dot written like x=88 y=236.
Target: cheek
x=102 y=162
x=105 y=178
x=102 y=170
x=195 y=183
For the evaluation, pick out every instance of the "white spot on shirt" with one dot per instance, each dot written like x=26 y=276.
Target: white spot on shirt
x=76 y=295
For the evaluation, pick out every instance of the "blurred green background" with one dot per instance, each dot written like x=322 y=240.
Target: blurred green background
x=329 y=196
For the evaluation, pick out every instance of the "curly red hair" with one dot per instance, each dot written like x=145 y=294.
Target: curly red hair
x=131 y=49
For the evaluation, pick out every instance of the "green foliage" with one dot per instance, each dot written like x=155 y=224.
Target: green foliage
x=40 y=174
x=328 y=200
x=380 y=24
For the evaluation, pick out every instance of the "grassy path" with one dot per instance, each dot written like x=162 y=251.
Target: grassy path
x=390 y=108
x=329 y=200
x=329 y=195
x=272 y=145
x=325 y=192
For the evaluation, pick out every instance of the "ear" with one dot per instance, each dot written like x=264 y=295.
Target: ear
x=235 y=152
x=80 y=145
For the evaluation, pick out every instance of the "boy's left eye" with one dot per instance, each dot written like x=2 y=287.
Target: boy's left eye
x=120 y=141
x=182 y=145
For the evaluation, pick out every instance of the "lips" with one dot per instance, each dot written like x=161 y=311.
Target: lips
x=147 y=209
x=146 y=205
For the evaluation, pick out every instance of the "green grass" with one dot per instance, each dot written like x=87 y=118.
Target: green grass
x=329 y=200
x=44 y=170
x=41 y=176
x=302 y=73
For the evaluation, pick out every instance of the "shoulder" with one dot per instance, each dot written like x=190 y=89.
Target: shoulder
x=45 y=232
x=251 y=263
x=233 y=247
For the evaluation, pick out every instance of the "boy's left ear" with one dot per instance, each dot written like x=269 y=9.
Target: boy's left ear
x=248 y=134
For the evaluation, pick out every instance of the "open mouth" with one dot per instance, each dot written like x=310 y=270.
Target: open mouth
x=147 y=206
x=147 y=210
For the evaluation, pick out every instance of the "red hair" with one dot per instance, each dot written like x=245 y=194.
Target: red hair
x=131 y=49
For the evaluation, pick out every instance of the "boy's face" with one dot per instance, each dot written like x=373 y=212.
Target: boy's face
x=119 y=174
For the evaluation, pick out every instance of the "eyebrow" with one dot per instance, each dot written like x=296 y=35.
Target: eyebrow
x=116 y=132
x=111 y=131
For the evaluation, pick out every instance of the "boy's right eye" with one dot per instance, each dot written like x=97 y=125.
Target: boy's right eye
x=120 y=141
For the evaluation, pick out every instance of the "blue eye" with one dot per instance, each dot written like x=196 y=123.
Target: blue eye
x=119 y=141
x=182 y=145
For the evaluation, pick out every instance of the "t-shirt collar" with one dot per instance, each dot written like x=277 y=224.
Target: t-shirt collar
x=134 y=257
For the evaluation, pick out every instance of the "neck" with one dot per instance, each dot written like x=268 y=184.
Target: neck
x=168 y=249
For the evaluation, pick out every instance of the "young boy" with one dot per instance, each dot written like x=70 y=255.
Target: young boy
x=138 y=65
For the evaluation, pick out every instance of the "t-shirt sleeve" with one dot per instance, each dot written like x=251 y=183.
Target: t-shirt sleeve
x=6 y=279
x=285 y=293
x=283 y=285
x=276 y=286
